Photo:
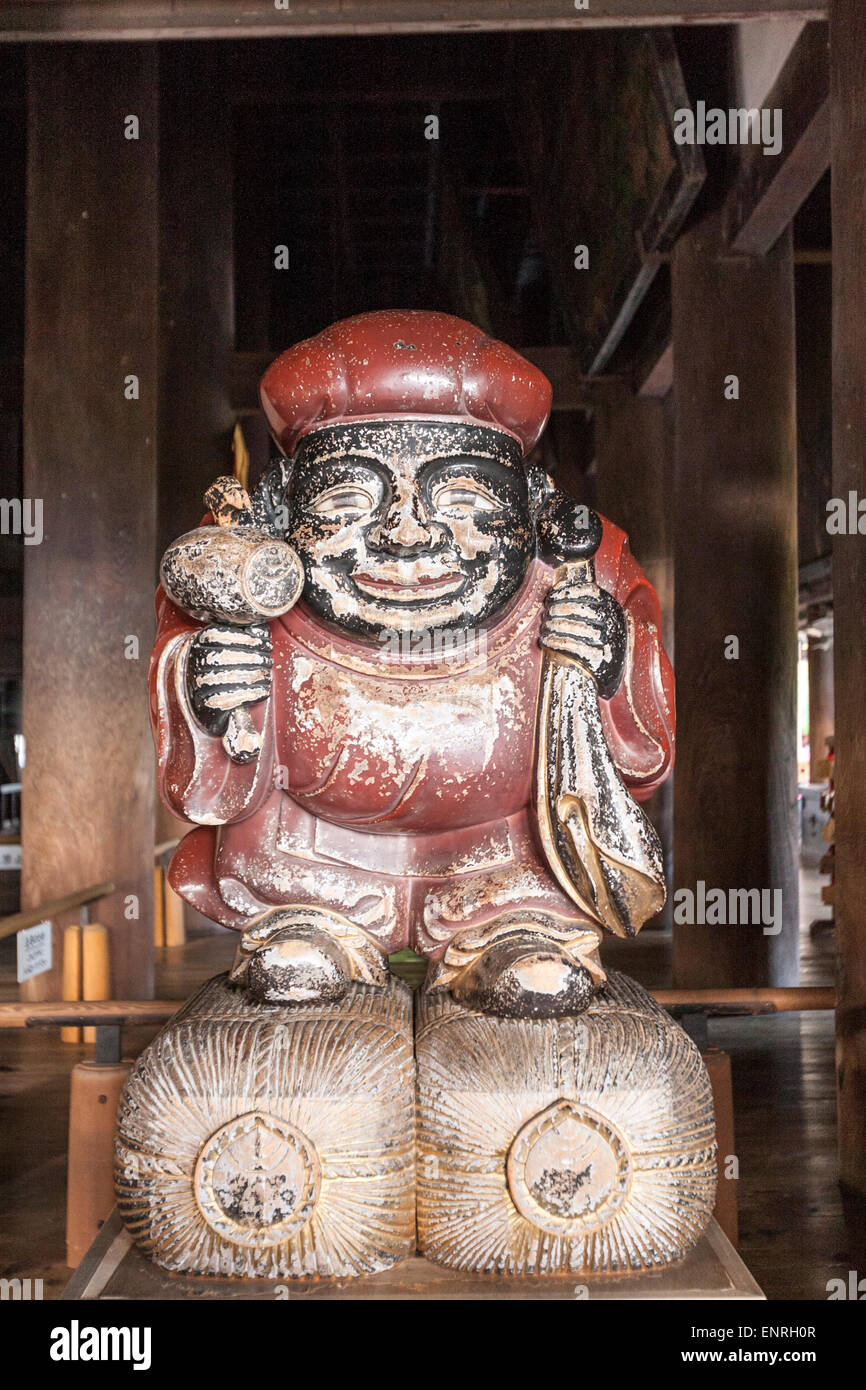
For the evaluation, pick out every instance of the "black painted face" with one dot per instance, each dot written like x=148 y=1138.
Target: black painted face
x=410 y=524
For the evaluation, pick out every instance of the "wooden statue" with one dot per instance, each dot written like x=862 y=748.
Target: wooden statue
x=411 y=695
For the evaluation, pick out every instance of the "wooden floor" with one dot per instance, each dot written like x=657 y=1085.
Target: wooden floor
x=795 y=1234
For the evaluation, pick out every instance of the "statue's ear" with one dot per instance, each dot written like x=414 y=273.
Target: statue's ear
x=541 y=486
x=270 y=497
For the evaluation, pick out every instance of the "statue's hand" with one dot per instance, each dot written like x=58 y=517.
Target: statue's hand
x=229 y=667
x=585 y=622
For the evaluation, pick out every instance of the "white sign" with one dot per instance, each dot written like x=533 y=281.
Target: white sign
x=10 y=856
x=34 y=951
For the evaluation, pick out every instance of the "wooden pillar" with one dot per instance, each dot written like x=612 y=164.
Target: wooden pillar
x=820 y=703
x=196 y=294
x=634 y=466
x=90 y=455
x=813 y=299
x=735 y=548
x=196 y=276
x=848 y=107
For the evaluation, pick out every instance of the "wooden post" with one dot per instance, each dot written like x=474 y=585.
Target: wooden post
x=735 y=546
x=634 y=464
x=93 y=1095
x=196 y=276
x=158 y=905
x=95 y=968
x=175 y=925
x=196 y=299
x=71 y=983
x=90 y=415
x=848 y=105
x=814 y=411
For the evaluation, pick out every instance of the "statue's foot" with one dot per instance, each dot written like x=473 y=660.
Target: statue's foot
x=298 y=968
x=524 y=977
x=304 y=955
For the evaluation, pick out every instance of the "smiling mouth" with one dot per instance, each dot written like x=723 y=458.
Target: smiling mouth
x=401 y=585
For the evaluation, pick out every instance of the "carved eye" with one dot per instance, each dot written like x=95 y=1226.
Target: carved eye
x=345 y=500
x=463 y=496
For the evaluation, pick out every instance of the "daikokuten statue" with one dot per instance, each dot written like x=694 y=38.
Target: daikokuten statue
x=438 y=656
x=410 y=694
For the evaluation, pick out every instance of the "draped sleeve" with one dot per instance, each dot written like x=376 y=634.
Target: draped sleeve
x=640 y=720
x=198 y=781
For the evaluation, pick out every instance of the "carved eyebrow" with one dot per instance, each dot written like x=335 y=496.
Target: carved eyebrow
x=346 y=485
x=338 y=470
x=454 y=480
x=338 y=459
x=499 y=471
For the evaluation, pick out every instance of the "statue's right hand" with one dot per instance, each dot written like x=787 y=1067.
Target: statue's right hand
x=229 y=666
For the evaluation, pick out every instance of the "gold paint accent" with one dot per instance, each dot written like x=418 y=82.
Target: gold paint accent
x=241 y=456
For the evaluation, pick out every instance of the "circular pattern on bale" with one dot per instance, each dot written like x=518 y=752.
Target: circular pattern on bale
x=257 y=1180
x=568 y=1169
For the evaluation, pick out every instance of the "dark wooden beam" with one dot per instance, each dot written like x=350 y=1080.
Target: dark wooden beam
x=769 y=189
x=289 y=94
x=197 y=326
x=90 y=452
x=451 y=251
x=848 y=99
x=185 y=19
x=11 y=384
x=196 y=292
x=634 y=472
x=814 y=410
x=735 y=561
x=654 y=367
x=12 y=549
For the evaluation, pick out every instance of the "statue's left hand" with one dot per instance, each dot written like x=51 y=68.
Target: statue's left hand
x=585 y=622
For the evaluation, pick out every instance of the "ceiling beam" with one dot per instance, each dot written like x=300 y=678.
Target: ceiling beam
x=769 y=190
x=25 y=21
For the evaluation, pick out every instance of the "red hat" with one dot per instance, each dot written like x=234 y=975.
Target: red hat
x=393 y=363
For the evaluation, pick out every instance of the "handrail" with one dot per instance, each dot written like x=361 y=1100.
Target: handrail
x=45 y=911
x=721 y=1002
x=21 y=920
x=114 y=1012
x=105 y=1013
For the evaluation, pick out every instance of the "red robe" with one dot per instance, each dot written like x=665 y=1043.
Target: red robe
x=395 y=786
